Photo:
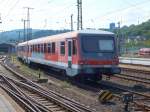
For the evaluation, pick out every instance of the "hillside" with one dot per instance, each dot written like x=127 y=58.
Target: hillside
x=13 y=36
x=136 y=30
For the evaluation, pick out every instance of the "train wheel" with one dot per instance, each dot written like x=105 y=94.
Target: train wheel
x=82 y=78
x=97 y=78
x=64 y=75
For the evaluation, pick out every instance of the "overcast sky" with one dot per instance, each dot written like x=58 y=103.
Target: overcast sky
x=55 y=14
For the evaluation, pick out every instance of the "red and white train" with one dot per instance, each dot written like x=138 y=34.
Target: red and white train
x=144 y=51
x=86 y=53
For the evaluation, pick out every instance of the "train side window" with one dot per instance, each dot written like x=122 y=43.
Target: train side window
x=74 y=48
x=53 y=47
x=41 y=48
x=49 y=47
x=45 y=48
x=38 y=47
x=32 y=48
x=35 y=48
x=62 y=48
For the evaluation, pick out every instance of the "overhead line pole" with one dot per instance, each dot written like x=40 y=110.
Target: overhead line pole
x=28 y=23
x=24 y=30
x=119 y=38
x=19 y=32
x=79 y=19
x=28 y=30
x=71 y=22
x=0 y=18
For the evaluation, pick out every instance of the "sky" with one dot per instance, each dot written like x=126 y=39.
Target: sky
x=55 y=14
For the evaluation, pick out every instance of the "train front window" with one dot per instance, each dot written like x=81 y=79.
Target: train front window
x=98 y=44
x=106 y=45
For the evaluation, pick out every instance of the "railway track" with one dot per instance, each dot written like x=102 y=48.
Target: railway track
x=135 y=70
x=141 y=80
x=39 y=100
x=133 y=74
x=141 y=100
x=34 y=98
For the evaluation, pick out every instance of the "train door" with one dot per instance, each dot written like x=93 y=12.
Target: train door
x=69 y=43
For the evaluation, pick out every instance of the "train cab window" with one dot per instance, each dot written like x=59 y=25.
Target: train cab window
x=49 y=47
x=53 y=47
x=62 y=48
x=74 y=48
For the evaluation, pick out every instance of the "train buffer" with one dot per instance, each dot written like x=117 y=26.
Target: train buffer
x=105 y=96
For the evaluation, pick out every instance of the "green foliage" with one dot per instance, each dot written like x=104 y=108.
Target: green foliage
x=135 y=30
x=145 y=43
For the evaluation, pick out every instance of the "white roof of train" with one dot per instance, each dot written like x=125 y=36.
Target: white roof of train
x=94 y=32
x=67 y=34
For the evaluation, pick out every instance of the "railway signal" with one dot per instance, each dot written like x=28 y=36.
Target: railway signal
x=127 y=98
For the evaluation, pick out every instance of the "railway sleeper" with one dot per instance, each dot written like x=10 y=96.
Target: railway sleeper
x=51 y=106
x=55 y=108
x=41 y=100
x=35 y=96
x=45 y=102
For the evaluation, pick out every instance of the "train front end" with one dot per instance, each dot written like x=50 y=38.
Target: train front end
x=98 y=55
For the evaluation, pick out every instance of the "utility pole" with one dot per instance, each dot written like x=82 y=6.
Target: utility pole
x=79 y=19
x=19 y=32
x=119 y=46
x=28 y=23
x=28 y=31
x=0 y=19
x=71 y=22
x=24 y=30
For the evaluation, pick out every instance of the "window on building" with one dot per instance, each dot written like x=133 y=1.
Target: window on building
x=53 y=47
x=74 y=48
x=62 y=48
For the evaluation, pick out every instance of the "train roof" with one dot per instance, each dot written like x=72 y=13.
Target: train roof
x=94 y=32
x=68 y=34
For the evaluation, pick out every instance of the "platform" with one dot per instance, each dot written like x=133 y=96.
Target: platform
x=7 y=104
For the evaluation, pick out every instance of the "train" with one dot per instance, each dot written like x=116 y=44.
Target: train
x=144 y=52
x=85 y=54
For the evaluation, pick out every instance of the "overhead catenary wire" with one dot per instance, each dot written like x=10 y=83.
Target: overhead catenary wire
x=107 y=15
x=122 y=9
x=11 y=9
